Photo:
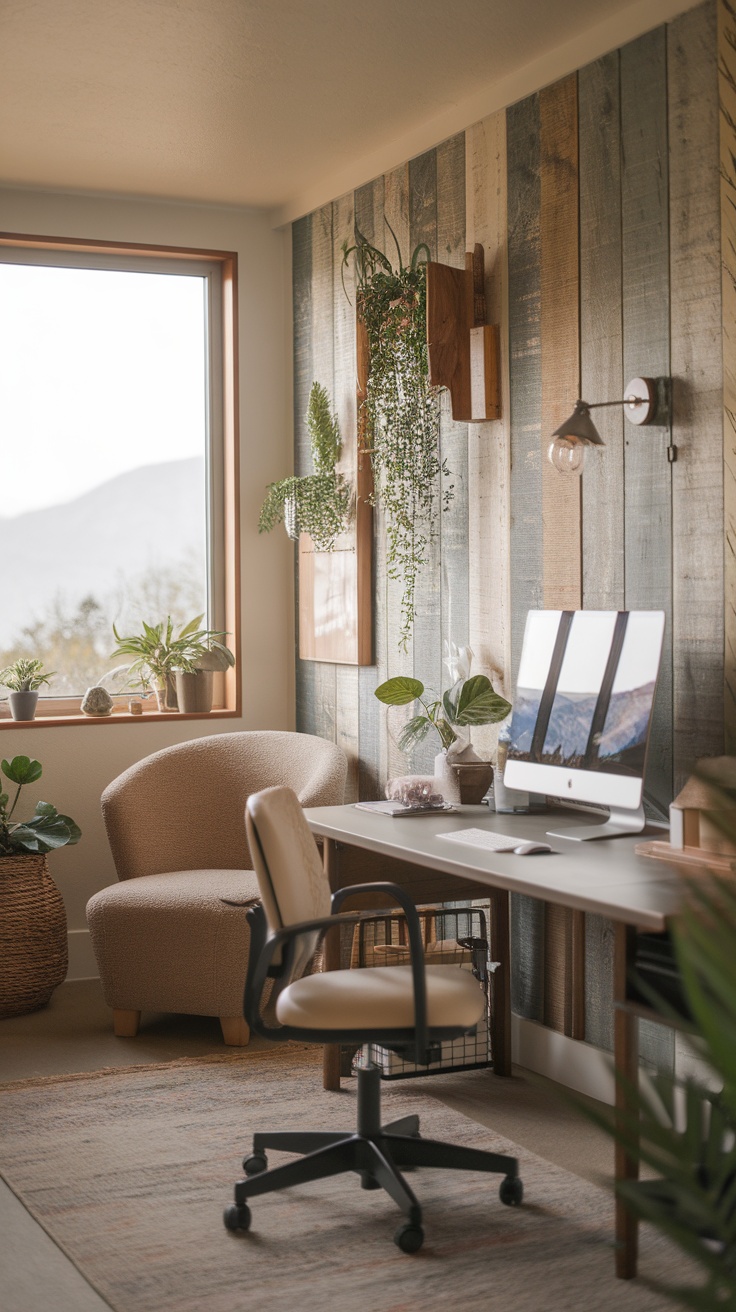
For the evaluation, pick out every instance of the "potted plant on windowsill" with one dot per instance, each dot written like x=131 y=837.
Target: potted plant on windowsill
x=23 y=679
x=159 y=652
x=470 y=701
x=33 y=937
x=203 y=656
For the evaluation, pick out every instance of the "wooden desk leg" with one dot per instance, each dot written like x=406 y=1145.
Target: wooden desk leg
x=626 y=1058
x=331 y=1052
x=501 y=951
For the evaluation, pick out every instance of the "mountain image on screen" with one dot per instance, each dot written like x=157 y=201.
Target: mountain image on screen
x=622 y=745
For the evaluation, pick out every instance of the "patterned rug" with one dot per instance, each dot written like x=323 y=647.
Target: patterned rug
x=129 y=1170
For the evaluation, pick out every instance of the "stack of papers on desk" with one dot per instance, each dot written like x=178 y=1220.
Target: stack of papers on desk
x=398 y=808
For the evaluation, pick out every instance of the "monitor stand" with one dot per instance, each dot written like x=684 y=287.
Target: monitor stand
x=619 y=823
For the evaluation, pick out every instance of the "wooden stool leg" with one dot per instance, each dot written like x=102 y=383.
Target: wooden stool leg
x=235 y=1031
x=125 y=1023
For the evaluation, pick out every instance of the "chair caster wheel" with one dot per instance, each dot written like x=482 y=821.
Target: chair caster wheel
x=255 y=1164
x=409 y=1238
x=511 y=1191
x=237 y=1217
x=368 y=1181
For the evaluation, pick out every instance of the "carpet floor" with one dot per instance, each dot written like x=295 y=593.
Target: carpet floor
x=128 y=1171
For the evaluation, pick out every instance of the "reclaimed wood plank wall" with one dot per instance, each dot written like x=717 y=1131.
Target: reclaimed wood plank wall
x=603 y=210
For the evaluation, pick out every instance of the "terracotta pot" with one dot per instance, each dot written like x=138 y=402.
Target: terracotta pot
x=474 y=780
x=194 y=692
x=33 y=939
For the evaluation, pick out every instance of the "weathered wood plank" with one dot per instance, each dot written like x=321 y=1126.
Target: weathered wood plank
x=323 y=371
x=489 y=455
x=427 y=602
x=302 y=310
x=560 y=377
x=560 y=333
x=646 y=312
x=601 y=342
x=373 y=743
x=454 y=556
x=396 y=211
x=697 y=375
x=347 y=704
x=727 y=119
x=601 y=367
x=525 y=392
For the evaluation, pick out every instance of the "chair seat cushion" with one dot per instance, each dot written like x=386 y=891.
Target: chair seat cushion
x=381 y=997
x=170 y=942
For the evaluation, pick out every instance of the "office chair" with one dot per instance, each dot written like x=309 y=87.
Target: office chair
x=409 y=1008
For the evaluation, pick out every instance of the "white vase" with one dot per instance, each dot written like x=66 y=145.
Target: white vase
x=446 y=779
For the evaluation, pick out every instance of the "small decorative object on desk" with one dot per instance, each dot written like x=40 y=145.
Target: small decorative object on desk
x=416 y=791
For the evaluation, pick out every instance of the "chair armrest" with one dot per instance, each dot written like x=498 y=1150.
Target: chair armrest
x=264 y=947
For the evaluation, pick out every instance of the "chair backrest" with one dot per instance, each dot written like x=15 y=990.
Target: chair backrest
x=182 y=808
x=291 y=879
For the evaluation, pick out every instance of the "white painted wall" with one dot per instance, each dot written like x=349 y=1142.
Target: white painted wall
x=78 y=762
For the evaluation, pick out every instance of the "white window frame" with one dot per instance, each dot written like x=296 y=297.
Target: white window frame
x=219 y=269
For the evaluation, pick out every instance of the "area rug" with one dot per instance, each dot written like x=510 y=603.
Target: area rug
x=129 y=1171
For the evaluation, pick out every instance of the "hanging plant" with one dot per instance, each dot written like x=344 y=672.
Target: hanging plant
x=402 y=429
x=318 y=503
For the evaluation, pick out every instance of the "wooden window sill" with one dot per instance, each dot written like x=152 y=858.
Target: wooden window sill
x=117 y=717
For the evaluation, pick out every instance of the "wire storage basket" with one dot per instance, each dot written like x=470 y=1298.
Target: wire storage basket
x=452 y=937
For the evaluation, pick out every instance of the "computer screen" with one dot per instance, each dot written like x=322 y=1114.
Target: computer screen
x=583 y=706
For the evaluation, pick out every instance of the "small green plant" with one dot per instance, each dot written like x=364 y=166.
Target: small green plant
x=470 y=701
x=158 y=651
x=402 y=431
x=24 y=675
x=318 y=503
x=46 y=829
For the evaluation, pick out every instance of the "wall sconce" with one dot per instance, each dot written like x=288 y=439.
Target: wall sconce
x=571 y=440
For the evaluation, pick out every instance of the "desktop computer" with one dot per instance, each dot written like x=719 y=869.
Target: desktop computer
x=582 y=712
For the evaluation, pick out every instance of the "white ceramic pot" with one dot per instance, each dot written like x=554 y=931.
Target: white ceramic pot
x=446 y=779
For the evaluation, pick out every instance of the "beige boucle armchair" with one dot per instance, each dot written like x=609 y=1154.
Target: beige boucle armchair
x=163 y=937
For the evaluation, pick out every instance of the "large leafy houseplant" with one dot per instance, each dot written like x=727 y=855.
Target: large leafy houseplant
x=45 y=830
x=683 y=1131
x=402 y=429
x=33 y=937
x=318 y=503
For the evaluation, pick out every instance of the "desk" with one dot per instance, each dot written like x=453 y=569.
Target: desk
x=603 y=877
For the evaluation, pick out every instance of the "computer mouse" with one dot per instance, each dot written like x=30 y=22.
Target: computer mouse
x=530 y=849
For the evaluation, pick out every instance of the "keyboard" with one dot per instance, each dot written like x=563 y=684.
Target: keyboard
x=484 y=838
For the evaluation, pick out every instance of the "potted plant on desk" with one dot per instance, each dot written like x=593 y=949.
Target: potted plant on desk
x=33 y=937
x=470 y=701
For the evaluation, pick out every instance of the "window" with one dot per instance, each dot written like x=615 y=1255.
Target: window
x=117 y=500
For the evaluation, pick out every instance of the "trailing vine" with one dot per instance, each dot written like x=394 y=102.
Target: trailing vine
x=402 y=429
x=318 y=503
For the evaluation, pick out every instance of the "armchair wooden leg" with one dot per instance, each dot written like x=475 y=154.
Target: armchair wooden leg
x=235 y=1031
x=125 y=1023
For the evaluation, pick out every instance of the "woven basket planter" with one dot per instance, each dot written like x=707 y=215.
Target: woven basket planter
x=33 y=941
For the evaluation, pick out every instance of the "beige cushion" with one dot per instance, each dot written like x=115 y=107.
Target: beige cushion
x=381 y=998
x=169 y=943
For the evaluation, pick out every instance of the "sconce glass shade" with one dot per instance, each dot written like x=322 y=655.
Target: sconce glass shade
x=571 y=440
x=567 y=454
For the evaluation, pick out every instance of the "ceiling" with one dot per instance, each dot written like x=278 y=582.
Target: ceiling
x=250 y=102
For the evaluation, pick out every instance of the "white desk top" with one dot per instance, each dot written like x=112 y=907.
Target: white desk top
x=604 y=877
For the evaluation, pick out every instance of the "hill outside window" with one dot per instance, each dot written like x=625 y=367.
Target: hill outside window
x=118 y=490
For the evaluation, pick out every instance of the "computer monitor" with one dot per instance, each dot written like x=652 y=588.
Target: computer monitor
x=582 y=711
